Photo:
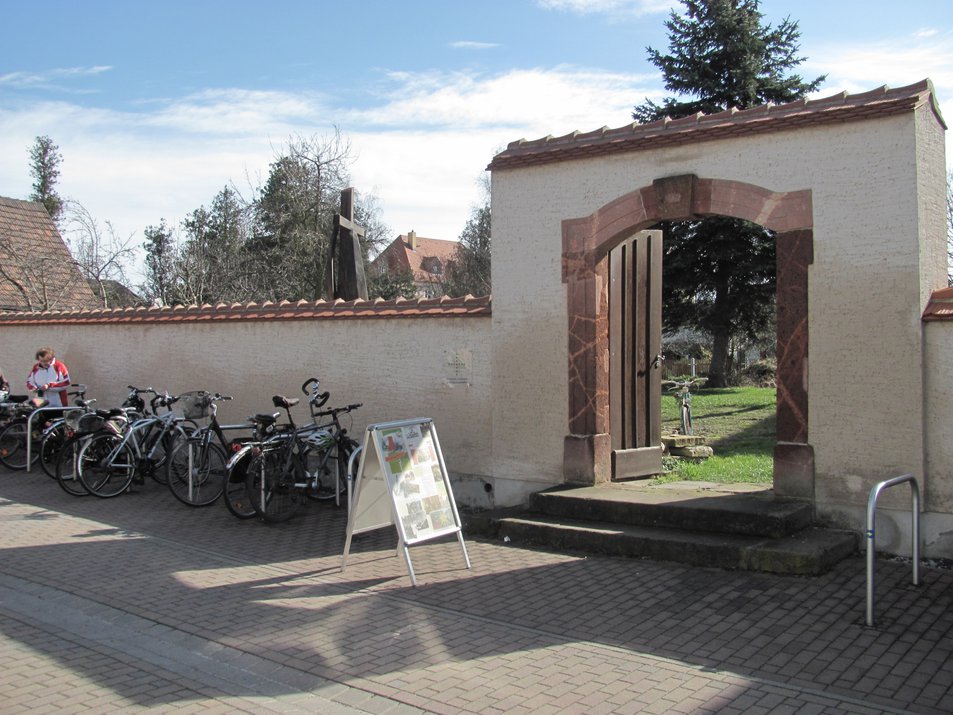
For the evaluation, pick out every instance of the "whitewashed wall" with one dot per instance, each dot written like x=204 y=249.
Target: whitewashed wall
x=878 y=198
x=399 y=368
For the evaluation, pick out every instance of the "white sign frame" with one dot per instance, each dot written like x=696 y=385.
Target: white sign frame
x=402 y=480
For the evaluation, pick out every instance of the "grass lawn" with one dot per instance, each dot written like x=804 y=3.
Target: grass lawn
x=738 y=423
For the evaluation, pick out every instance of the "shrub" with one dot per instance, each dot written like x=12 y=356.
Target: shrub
x=760 y=374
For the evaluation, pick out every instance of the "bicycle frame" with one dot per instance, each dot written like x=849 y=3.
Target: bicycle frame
x=150 y=440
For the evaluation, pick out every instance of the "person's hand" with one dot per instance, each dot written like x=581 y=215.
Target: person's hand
x=45 y=387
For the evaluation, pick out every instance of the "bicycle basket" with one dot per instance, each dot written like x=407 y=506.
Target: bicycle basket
x=73 y=418
x=195 y=405
x=89 y=422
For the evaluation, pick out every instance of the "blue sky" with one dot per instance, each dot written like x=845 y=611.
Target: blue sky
x=157 y=106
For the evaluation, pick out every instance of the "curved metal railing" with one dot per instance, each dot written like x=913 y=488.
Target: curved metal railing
x=914 y=535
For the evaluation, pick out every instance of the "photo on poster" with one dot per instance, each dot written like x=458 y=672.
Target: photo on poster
x=394 y=450
x=424 y=452
x=442 y=519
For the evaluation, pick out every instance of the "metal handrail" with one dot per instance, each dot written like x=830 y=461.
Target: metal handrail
x=29 y=428
x=915 y=535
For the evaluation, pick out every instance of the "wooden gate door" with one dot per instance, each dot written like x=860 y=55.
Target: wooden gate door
x=635 y=361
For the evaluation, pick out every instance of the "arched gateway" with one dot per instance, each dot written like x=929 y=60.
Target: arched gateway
x=853 y=186
x=587 y=242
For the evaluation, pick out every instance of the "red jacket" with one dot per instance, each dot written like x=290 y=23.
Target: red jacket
x=56 y=376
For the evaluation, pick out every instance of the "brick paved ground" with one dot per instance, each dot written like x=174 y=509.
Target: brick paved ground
x=139 y=603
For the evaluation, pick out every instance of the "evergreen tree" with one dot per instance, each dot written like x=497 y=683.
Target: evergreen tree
x=212 y=264
x=387 y=286
x=45 y=160
x=161 y=258
x=722 y=55
x=469 y=271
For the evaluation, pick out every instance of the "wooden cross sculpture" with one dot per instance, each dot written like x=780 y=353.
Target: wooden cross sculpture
x=345 y=275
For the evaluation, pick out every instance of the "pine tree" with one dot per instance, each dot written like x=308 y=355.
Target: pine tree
x=718 y=276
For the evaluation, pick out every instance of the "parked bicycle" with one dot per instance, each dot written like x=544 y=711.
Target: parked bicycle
x=59 y=430
x=87 y=425
x=14 y=436
x=301 y=463
x=682 y=390
x=236 y=497
x=108 y=464
x=196 y=467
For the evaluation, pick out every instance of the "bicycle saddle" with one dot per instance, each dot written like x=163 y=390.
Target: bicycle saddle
x=282 y=401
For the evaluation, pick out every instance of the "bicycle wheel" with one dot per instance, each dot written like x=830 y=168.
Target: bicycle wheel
x=106 y=465
x=271 y=486
x=67 y=472
x=13 y=445
x=687 y=428
x=236 y=497
x=54 y=437
x=196 y=472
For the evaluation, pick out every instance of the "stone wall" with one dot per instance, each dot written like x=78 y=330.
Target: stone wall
x=426 y=359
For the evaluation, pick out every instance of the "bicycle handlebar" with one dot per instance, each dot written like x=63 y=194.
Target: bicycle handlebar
x=334 y=412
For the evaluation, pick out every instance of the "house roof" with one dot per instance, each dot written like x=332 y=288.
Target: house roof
x=410 y=252
x=36 y=269
x=837 y=108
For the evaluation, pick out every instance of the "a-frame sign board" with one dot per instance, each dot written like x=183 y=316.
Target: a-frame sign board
x=403 y=480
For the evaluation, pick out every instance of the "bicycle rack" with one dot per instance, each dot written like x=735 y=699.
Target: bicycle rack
x=915 y=534
x=29 y=428
x=350 y=477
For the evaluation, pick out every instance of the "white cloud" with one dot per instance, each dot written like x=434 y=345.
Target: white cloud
x=50 y=78
x=473 y=45
x=608 y=7
x=535 y=101
x=863 y=66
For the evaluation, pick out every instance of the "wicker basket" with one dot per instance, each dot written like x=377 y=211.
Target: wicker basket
x=89 y=422
x=72 y=419
x=195 y=405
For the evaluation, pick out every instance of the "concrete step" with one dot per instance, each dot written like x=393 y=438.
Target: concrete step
x=727 y=526
x=690 y=507
x=810 y=552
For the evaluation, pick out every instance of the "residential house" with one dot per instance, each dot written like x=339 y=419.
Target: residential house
x=425 y=258
x=37 y=271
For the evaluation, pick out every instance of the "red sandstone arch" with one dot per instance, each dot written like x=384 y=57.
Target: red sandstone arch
x=586 y=243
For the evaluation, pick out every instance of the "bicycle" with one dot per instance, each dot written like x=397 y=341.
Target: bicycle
x=197 y=467
x=57 y=431
x=87 y=425
x=108 y=464
x=264 y=426
x=682 y=390
x=297 y=464
x=236 y=497
x=84 y=427
x=14 y=436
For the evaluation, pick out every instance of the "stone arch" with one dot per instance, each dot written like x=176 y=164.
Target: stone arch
x=586 y=244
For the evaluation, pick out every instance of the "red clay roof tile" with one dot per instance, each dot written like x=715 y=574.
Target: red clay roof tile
x=302 y=310
x=837 y=108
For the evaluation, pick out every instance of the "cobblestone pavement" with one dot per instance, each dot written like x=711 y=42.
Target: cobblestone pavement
x=141 y=604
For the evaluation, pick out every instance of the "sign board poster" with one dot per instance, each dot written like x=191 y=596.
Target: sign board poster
x=402 y=468
x=417 y=481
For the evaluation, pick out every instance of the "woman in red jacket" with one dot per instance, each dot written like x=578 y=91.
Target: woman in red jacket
x=50 y=377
